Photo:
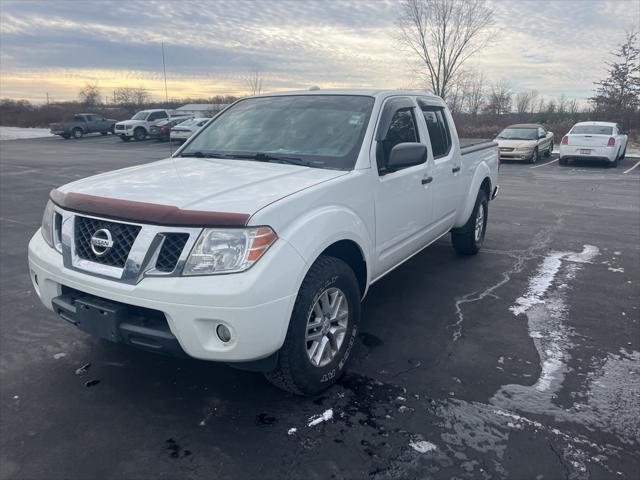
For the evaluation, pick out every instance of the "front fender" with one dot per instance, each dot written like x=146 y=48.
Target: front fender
x=312 y=233
x=482 y=171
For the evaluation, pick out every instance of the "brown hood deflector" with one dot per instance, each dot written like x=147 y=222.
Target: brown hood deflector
x=142 y=212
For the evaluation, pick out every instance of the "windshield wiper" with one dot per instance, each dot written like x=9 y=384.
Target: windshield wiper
x=265 y=157
x=200 y=154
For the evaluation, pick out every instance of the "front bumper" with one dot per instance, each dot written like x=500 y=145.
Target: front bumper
x=255 y=305
x=515 y=155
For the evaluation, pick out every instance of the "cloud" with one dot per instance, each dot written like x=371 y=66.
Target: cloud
x=551 y=46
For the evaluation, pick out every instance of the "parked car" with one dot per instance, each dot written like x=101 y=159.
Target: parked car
x=256 y=242
x=525 y=141
x=184 y=130
x=162 y=130
x=594 y=141
x=139 y=125
x=82 y=124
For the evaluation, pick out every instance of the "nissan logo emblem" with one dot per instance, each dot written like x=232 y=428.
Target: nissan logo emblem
x=101 y=242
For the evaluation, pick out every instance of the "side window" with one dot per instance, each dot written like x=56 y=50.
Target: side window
x=438 y=130
x=89 y=118
x=541 y=133
x=402 y=129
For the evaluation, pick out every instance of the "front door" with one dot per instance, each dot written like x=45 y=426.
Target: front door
x=403 y=196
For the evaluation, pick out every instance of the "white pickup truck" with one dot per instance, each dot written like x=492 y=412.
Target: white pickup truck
x=138 y=126
x=256 y=242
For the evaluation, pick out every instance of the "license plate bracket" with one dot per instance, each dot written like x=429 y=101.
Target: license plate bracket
x=99 y=317
x=585 y=151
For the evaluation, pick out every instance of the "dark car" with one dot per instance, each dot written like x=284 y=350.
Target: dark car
x=162 y=130
x=82 y=124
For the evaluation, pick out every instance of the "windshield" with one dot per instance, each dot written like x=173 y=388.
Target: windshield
x=519 y=134
x=322 y=131
x=591 y=130
x=140 y=116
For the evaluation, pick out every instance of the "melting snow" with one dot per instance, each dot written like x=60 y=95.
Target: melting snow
x=422 y=446
x=317 y=419
x=619 y=270
x=292 y=431
x=16 y=133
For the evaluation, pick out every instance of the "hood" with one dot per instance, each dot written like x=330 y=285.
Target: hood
x=502 y=143
x=205 y=184
x=132 y=122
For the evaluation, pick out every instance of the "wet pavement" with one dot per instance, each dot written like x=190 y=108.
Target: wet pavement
x=521 y=362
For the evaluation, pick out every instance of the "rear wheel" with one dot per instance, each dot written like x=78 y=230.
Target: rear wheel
x=66 y=136
x=77 y=133
x=104 y=133
x=322 y=329
x=468 y=239
x=624 y=153
x=613 y=164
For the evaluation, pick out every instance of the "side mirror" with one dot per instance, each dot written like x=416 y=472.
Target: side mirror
x=406 y=155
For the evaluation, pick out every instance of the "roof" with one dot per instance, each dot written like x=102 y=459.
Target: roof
x=600 y=124
x=203 y=107
x=354 y=91
x=526 y=125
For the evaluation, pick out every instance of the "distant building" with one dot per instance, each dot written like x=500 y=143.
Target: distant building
x=202 y=109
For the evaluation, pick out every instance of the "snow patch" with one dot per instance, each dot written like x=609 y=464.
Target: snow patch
x=618 y=270
x=324 y=417
x=18 y=133
x=422 y=446
x=292 y=431
x=60 y=355
x=546 y=274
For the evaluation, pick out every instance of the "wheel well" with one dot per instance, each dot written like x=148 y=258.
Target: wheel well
x=486 y=186
x=349 y=252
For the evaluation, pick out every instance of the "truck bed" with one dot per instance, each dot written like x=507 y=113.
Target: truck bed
x=468 y=145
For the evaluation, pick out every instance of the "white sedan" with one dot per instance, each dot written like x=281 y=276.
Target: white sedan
x=184 y=130
x=594 y=140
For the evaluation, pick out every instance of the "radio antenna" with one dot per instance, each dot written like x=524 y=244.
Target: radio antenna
x=166 y=95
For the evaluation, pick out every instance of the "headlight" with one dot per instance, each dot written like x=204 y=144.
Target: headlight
x=47 y=223
x=226 y=250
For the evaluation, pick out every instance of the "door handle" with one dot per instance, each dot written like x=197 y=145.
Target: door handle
x=426 y=180
x=455 y=169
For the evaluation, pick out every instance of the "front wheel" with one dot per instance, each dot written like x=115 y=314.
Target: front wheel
x=77 y=133
x=534 y=156
x=103 y=133
x=139 y=134
x=549 y=150
x=468 y=239
x=124 y=138
x=322 y=329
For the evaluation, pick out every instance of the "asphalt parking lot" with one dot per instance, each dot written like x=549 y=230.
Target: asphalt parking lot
x=520 y=362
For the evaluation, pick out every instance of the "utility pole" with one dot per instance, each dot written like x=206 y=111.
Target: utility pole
x=47 y=98
x=164 y=68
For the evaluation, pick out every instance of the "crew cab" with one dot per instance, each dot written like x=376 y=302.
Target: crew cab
x=255 y=243
x=82 y=124
x=139 y=125
x=594 y=141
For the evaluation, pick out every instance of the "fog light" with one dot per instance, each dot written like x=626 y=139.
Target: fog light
x=223 y=332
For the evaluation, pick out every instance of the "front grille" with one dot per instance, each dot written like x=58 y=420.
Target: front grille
x=504 y=149
x=123 y=236
x=171 y=250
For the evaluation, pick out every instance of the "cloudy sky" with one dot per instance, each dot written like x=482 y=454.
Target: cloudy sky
x=57 y=46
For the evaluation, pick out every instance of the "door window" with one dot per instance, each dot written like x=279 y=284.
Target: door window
x=402 y=129
x=156 y=116
x=438 y=129
x=541 y=133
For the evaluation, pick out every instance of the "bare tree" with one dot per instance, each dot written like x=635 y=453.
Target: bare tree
x=523 y=102
x=562 y=103
x=90 y=95
x=500 y=96
x=128 y=96
x=573 y=108
x=443 y=34
x=476 y=94
x=253 y=82
x=535 y=102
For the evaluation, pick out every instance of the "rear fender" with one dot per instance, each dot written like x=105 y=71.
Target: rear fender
x=482 y=172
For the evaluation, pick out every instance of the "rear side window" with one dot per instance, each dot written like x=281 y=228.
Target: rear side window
x=438 y=129
x=591 y=130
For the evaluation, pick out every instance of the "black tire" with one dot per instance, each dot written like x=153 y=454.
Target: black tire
x=624 y=153
x=549 y=150
x=613 y=164
x=464 y=239
x=66 y=136
x=563 y=161
x=112 y=130
x=295 y=373
x=77 y=133
x=139 y=134
x=104 y=133
x=534 y=156
x=124 y=138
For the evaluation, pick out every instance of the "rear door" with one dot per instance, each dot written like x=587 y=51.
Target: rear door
x=446 y=166
x=403 y=197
